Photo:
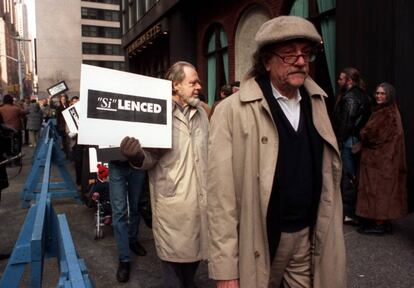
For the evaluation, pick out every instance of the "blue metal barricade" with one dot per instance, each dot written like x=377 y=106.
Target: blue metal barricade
x=62 y=189
x=45 y=234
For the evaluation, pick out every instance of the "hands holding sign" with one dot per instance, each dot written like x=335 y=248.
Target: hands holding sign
x=131 y=149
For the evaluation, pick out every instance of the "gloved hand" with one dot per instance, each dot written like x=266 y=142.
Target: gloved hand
x=131 y=149
x=95 y=196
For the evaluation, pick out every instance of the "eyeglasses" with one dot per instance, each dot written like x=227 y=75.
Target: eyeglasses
x=379 y=93
x=292 y=59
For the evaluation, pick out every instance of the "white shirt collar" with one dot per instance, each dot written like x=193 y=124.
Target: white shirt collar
x=279 y=96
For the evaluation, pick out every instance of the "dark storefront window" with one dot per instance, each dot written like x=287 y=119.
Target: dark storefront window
x=152 y=62
x=328 y=28
x=106 y=64
x=100 y=14
x=217 y=61
x=98 y=31
x=105 y=49
x=322 y=14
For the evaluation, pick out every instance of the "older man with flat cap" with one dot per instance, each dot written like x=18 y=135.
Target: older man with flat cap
x=274 y=201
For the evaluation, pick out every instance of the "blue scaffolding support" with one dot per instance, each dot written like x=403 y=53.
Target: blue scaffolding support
x=63 y=189
x=44 y=235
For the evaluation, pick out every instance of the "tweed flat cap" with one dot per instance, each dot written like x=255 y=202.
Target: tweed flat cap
x=285 y=28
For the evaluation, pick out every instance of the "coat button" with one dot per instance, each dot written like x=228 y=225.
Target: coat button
x=264 y=140
x=256 y=254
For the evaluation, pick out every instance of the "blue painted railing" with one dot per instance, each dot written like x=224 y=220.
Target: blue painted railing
x=43 y=235
x=63 y=189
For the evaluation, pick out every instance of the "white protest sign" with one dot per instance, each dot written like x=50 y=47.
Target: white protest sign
x=115 y=104
x=71 y=116
x=93 y=160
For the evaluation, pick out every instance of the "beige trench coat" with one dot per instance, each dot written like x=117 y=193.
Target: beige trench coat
x=243 y=149
x=178 y=189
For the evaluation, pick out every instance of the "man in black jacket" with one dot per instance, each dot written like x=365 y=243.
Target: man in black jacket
x=351 y=113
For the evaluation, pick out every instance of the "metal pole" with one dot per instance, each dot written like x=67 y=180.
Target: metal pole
x=19 y=72
x=19 y=63
x=19 y=67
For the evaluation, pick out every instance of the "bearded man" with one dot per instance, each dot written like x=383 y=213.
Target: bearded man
x=178 y=181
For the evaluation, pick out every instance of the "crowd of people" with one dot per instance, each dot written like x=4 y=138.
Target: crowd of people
x=260 y=185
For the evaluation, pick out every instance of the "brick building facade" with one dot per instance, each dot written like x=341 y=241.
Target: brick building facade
x=186 y=30
x=373 y=36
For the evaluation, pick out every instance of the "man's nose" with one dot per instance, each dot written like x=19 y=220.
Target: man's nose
x=301 y=60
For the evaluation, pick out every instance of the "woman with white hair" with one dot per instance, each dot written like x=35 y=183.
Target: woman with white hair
x=382 y=194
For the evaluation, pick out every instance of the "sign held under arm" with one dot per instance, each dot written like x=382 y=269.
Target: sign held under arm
x=71 y=116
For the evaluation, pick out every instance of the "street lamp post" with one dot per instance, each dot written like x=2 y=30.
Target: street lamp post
x=19 y=66
x=19 y=63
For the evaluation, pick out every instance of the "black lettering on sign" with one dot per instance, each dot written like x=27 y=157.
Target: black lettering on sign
x=75 y=116
x=114 y=106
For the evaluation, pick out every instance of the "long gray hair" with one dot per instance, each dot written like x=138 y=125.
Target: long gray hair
x=260 y=57
x=390 y=97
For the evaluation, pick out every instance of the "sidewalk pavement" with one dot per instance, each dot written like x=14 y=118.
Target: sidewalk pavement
x=380 y=262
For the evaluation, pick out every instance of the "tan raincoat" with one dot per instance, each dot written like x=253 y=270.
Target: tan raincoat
x=178 y=179
x=243 y=149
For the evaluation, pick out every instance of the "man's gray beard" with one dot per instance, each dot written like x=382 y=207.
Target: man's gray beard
x=194 y=101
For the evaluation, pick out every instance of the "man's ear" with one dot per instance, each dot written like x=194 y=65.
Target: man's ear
x=175 y=85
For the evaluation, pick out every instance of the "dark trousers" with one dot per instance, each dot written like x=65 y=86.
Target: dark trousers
x=349 y=195
x=77 y=151
x=65 y=142
x=179 y=275
x=348 y=181
x=26 y=132
x=18 y=140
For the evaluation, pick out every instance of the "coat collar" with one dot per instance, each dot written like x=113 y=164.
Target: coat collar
x=179 y=115
x=250 y=91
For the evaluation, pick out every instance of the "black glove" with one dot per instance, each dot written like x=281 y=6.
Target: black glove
x=131 y=149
